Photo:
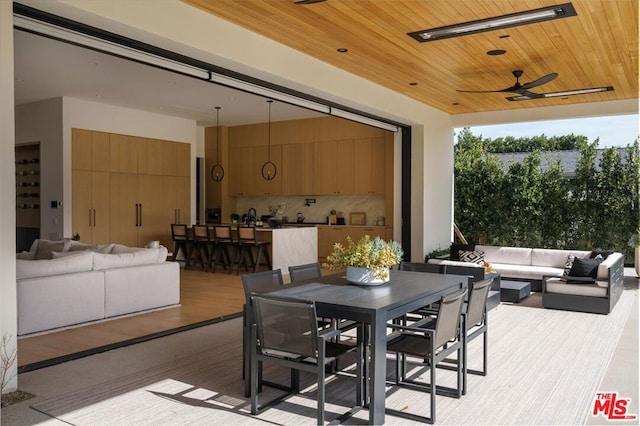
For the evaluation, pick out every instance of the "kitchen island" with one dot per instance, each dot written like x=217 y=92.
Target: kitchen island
x=290 y=246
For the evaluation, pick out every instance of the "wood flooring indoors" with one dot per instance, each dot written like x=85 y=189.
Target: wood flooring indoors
x=204 y=296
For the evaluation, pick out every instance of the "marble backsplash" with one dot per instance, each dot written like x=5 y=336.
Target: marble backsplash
x=372 y=205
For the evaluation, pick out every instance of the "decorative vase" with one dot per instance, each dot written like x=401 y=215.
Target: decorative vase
x=275 y=223
x=366 y=277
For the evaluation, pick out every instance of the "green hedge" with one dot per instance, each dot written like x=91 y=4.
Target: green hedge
x=523 y=204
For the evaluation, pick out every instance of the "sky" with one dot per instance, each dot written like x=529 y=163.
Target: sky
x=621 y=130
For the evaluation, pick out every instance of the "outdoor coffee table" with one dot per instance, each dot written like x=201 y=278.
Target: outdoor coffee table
x=514 y=291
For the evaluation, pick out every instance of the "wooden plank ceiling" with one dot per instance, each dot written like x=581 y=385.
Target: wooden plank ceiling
x=598 y=47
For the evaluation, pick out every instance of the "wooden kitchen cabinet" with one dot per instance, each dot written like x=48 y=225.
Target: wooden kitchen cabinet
x=90 y=206
x=299 y=169
x=241 y=173
x=124 y=209
x=335 y=165
x=89 y=150
x=145 y=186
x=369 y=166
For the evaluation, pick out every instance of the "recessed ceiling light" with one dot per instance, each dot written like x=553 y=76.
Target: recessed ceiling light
x=504 y=36
x=413 y=83
x=494 y=23
x=342 y=50
x=308 y=1
x=172 y=83
x=455 y=103
x=496 y=52
x=94 y=63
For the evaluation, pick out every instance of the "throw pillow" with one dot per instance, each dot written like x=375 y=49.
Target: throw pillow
x=568 y=264
x=476 y=257
x=454 y=251
x=602 y=253
x=44 y=249
x=585 y=268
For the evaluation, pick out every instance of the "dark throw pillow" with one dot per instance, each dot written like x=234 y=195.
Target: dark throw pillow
x=472 y=256
x=455 y=249
x=585 y=268
x=602 y=253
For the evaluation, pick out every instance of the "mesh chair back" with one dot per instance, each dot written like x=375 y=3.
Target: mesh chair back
x=304 y=272
x=222 y=233
x=286 y=327
x=448 y=320
x=422 y=267
x=261 y=282
x=477 y=305
x=178 y=231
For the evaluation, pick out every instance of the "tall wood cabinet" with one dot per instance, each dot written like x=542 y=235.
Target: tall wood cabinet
x=128 y=189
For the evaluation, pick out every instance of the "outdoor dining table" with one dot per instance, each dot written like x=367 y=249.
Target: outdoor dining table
x=373 y=306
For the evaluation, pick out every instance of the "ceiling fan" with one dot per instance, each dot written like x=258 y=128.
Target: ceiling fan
x=521 y=89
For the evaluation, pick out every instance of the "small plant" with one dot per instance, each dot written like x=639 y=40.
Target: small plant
x=76 y=237
x=7 y=359
x=433 y=254
x=235 y=217
x=374 y=254
x=276 y=209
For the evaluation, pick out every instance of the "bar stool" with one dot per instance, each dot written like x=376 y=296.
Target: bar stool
x=203 y=246
x=223 y=241
x=247 y=242
x=180 y=239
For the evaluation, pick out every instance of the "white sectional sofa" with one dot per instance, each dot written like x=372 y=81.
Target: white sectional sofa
x=81 y=284
x=542 y=267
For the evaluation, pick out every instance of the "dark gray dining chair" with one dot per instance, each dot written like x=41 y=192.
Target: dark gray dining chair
x=475 y=324
x=304 y=272
x=430 y=346
x=286 y=333
x=258 y=282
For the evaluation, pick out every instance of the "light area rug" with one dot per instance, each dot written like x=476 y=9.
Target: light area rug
x=544 y=368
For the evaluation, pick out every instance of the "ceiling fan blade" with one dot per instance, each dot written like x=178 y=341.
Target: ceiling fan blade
x=479 y=91
x=539 y=82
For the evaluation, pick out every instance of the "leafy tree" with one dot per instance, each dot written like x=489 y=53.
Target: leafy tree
x=526 y=205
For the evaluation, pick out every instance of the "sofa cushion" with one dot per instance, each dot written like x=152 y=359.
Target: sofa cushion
x=556 y=285
x=585 y=267
x=79 y=262
x=75 y=246
x=45 y=248
x=25 y=255
x=525 y=272
x=555 y=258
x=122 y=260
x=472 y=256
x=510 y=255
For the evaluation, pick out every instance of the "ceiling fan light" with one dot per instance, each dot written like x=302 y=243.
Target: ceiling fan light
x=498 y=22
x=564 y=93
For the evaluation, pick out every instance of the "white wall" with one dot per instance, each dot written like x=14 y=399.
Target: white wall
x=114 y=119
x=42 y=122
x=8 y=306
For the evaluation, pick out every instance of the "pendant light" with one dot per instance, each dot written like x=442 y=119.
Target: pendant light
x=269 y=169
x=217 y=171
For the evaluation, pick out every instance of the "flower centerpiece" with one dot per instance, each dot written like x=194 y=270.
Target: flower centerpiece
x=367 y=260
